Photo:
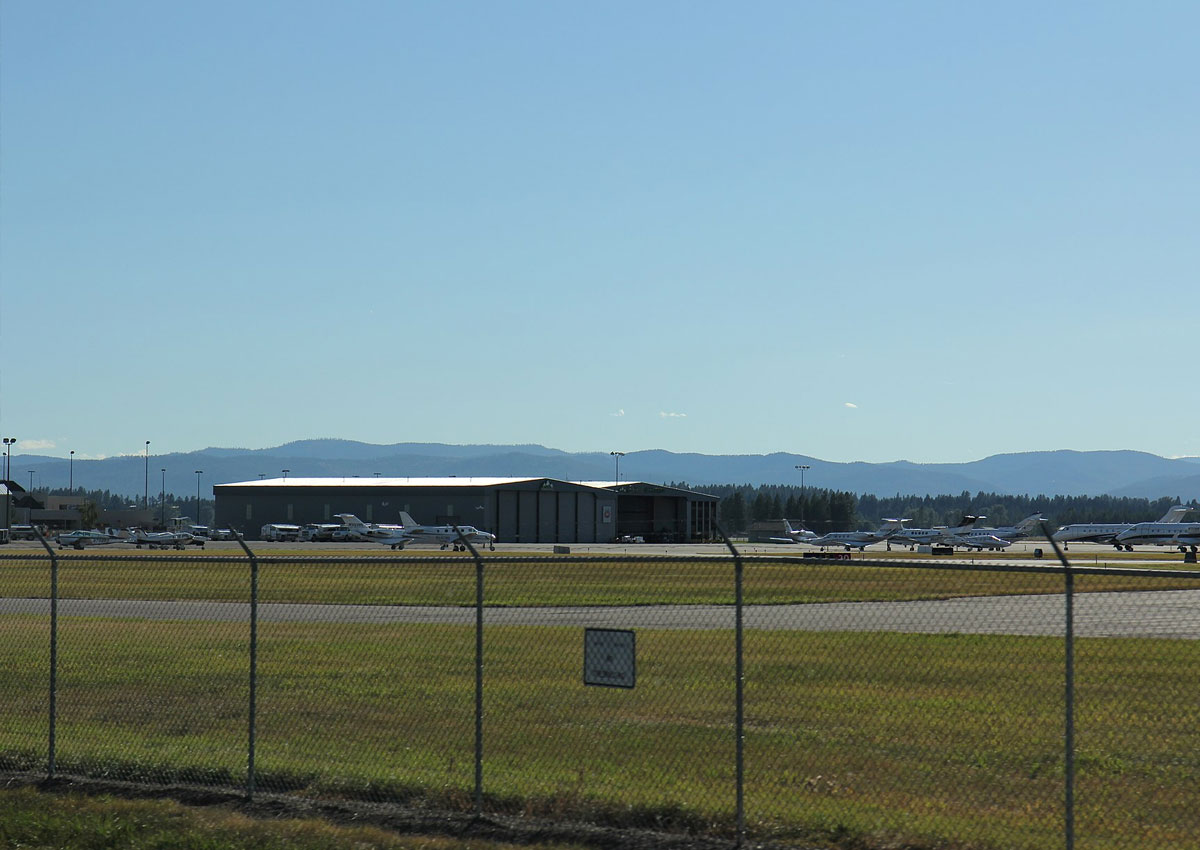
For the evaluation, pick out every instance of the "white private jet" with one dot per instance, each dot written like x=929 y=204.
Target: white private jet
x=794 y=535
x=1179 y=534
x=857 y=539
x=1106 y=532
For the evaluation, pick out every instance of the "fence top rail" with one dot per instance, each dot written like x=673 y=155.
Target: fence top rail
x=749 y=562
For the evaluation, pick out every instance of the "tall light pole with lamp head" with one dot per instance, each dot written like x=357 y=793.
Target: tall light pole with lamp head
x=71 y=477
x=802 y=467
x=8 y=441
x=285 y=474
x=617 y=471
x=199 y=472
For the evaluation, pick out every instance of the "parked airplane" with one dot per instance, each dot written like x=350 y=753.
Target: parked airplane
x=353 y=528
x=794 y=535
x=398 y=536
x=81 y=537
x=162 y=539
x=857 y=539
x=933 y=536
x=1022 y=529
x=446 y=534
x=1106 y=532
x=1180 y=534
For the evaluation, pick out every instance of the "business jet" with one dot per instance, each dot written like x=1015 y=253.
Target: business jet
x=794 y=535
x=857 y=539
x=1021 y=530
x=446 y=535
x=1106 y=532
x=81 y=537
x=1179 y=534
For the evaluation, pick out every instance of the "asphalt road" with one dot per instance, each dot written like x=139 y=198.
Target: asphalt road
x=1162 y=614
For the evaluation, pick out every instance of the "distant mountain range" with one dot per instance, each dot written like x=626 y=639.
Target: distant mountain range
x=1065 y=472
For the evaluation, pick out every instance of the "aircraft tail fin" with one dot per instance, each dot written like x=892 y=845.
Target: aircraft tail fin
x=1030 y=523
x=1176 y=514
x=406 y=519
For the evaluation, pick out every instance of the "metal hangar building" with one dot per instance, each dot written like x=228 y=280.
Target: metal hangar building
x=516 y=510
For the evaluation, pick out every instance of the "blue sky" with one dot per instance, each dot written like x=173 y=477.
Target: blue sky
x=857 y=231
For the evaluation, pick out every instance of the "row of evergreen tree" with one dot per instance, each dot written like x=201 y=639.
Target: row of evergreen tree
x=824 y=510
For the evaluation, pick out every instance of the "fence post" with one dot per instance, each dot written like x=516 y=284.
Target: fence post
x=1069 y=701
x=478 y=670
x=52 y=743
x=740 y=691
x=253 y=708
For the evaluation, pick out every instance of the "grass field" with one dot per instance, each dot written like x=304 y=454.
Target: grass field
x=425 y=579
x=32 y=819
x=935 y=740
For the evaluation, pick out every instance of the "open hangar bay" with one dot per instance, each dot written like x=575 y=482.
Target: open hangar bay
x=516 y=510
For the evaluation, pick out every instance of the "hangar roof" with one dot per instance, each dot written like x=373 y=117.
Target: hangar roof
x=633 y=487
x=373 y=481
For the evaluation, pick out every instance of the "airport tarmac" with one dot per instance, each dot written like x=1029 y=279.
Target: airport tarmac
x=1020 y=553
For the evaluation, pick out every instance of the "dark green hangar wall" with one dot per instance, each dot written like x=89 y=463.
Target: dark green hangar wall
x=516 y=510
x=541 y=510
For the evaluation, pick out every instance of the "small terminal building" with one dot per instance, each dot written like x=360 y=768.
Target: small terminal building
x=516 y=510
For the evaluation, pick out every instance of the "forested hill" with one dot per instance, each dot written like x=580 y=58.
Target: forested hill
x=1052 y=473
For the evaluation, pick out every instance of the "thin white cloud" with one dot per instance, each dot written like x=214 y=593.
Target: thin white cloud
x=665 y=415
x=33 y=445
x=620 y=412
x=852 y=405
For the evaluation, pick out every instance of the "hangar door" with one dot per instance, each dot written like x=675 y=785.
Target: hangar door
x=546 y=516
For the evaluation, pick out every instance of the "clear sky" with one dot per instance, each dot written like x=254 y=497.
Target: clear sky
x=853 y=230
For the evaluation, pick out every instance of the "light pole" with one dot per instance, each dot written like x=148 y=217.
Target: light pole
x=285 y=472
x=146 y=492
x=802 y=467
x=29 y=510
x=71 y=485
x=162 y=500
x=617 y=471
x=199 y=472
x=8 y=441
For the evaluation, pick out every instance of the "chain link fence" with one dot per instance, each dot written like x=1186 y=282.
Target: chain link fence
x=808 y=702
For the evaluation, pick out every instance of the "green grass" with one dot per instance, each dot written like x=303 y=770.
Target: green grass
x=34 y=820
x=433 y=580
x=938 y=741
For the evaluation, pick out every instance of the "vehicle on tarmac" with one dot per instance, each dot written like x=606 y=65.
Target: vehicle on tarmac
x=221 y=534
x=315 y=532
x=22 y=532
x=277 y=531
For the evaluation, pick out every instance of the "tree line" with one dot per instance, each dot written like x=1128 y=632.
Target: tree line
x=824 y=510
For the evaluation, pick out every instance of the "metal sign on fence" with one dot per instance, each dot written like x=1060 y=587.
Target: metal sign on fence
x=609 y=658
